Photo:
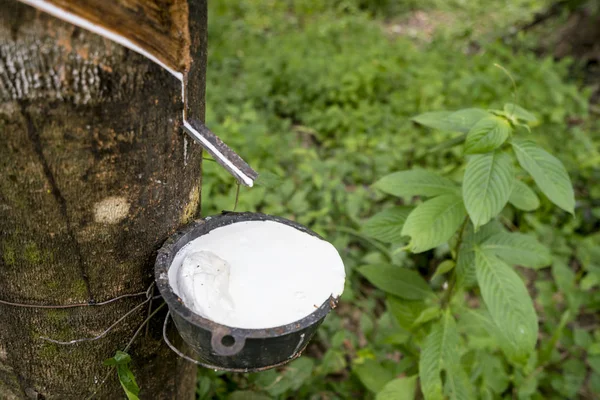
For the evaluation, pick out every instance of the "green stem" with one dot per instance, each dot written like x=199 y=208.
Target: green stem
x=135 y=335
x=452 y=282
x=237 y=196
x=460 y=236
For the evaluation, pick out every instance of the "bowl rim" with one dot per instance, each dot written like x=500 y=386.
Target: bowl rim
x=201 y=227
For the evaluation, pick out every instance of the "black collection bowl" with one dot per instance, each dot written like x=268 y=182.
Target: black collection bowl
x=229 y=348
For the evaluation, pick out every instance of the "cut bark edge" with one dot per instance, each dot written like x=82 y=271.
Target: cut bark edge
x=224 y=155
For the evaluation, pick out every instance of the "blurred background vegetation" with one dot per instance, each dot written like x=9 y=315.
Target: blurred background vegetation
x=317 y=95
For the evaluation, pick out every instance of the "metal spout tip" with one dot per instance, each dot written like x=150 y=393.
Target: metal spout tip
x=222 y=153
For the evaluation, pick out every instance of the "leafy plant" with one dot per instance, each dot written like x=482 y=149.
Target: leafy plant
x=121 y=362
x=465 y=215
x=318 y=97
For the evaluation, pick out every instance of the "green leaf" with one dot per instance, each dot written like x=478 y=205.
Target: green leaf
x=399 y=389
x=518 y=249
x=508 y=302
x=247 y=395
x=430 y=363
x=493 y=372
x=457 y=121
x=518 y=112
x=398 y=281
x=465 y=119
x=594 y=349
x=582 y=338
x=272 y=382
x=119 y=358
x=594 y=363
x=487 y=186
x=203 y=387
x=483 y=319
x=549 y=345
x=570 y=379
x=448 y=143
x=523 y=197
x=444 y=267
x=590 y=280
x=299 y=371
x=269 y=180
x=565 y=280
x=488 y=134
x=387 y=225
x=416 y=182
x=389 y=330
x=465 y=263
x=128 y=382
x=294 y=375
x=427 y=315
x=434 y=222
x=441 y=351
x=372 y=375
x=458 y=385
x=405 y=311
x=333 y=361
x=548 y=173
x=594 y=382
x=437 y=120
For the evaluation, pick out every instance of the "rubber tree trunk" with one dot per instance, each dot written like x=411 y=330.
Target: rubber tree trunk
x=95 y=173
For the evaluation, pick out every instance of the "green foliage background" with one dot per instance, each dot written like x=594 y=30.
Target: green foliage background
x=318 y=96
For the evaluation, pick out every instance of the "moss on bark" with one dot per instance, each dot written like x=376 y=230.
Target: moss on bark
x=94 y=177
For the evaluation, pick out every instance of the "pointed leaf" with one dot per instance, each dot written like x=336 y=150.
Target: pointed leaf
x=441 y=351
x=523 y=197
x=449 y=143
x=430 y=363
x=405 y=311
x=444 y=267
x=399 y=389
x=457 y=121
x=488 y=134
x=398 y=281
x=416 y=182
x=518 y=249
x=493 y=372
x=465 y=264
x=247 y=395
x=299 y=371
x=269 y=180
x=548 y=173
x=434 y=222
x=372 y=375
x=128 y=383
x=427 y=315
x=466 y=118
x=120 y=358
x=437 y=120
x=483 y=319
x=508 y=302
x=487 y=186
x=387 y=225
x=519 y=113
x=458 y=385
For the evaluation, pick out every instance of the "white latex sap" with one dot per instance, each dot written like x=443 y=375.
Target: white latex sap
x=256 y=274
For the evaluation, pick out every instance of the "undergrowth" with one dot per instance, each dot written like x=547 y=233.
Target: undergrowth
x=319 y=98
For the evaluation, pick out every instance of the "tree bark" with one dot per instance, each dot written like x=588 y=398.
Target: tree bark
x=95 y=173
